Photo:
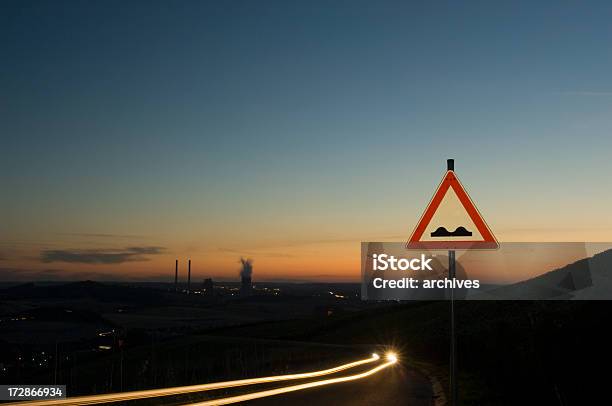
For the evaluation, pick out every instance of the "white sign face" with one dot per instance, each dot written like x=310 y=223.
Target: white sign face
x=451 y=222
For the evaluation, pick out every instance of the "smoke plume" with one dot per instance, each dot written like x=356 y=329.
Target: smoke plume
x=247 y=268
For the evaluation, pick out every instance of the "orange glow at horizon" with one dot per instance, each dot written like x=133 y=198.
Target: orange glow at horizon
x=332 y=260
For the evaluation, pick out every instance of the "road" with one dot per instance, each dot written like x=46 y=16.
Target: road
x=398 y=385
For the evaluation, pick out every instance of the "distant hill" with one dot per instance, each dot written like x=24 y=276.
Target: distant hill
x=586 y=279
x=82 y=290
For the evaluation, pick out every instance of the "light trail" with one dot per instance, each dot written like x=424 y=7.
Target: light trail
x=286 y=389
x=178 y=390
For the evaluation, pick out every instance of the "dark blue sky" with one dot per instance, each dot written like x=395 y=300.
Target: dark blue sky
x=299 y=120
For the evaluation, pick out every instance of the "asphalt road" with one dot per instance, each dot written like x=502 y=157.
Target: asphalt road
x=397 y=385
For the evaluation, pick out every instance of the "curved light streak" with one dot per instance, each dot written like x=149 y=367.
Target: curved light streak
x=278 y=391
x=178 y=390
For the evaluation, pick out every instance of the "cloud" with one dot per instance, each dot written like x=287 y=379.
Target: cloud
x=271 y=249
x=253 y=253
x=587 y=93
x=146 y=250
x=100 y=256
x=101 y=235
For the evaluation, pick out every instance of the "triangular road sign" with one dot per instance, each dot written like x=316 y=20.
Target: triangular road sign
x=451 y=221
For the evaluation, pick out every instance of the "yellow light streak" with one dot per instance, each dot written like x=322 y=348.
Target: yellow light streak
x=286 y=389
x=178 y=390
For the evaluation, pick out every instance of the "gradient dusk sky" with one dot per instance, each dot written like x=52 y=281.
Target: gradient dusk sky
x=134 y=133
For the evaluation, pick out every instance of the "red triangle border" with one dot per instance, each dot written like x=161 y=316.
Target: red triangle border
x=450 y=180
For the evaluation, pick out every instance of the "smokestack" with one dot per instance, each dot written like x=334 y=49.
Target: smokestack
x=176 y=275
x=450 y=164
x=189 y=276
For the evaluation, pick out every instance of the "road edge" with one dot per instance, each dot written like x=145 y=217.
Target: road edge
x=438 y=393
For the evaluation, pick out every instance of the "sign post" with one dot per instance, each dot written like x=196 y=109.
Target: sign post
x=451 y=222
x=450 y=166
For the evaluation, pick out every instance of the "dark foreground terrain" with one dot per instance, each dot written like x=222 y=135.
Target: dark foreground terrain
x=99 y=338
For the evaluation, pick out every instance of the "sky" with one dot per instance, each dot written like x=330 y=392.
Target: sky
x=134 y=133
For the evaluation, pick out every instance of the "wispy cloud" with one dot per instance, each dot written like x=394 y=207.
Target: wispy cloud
x=276 y=248
x=101 y=235
x=256 y=253
x=100 y=256
x=587 y=93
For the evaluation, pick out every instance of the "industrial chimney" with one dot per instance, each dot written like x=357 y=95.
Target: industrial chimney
x=189 y=276
x=176 y=275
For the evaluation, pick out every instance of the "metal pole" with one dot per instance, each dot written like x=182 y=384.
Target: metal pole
x=450 y=166
x=453 y=361
x=56 y=364
x=121 y=369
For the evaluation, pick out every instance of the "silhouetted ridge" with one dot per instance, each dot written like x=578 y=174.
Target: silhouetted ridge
x=587 y=278
x=83 y=290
